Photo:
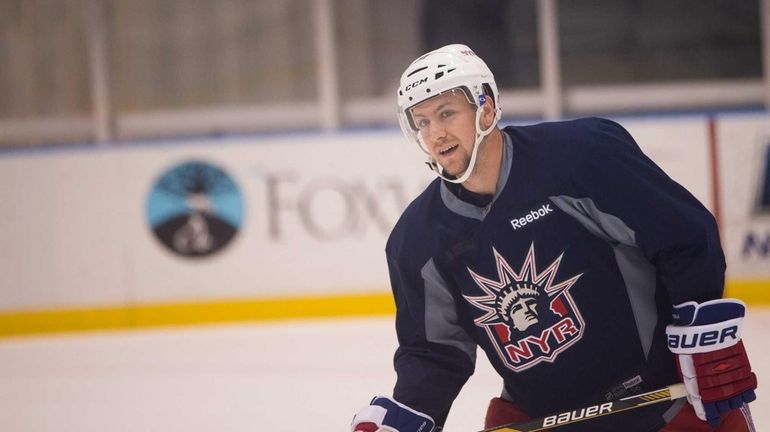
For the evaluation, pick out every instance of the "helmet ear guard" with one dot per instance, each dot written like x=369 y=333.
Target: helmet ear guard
x=446 y=69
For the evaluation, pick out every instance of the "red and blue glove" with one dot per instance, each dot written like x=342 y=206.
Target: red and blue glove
x=387 y=415
x=711 y=359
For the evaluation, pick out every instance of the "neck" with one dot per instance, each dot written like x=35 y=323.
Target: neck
x=486 y=172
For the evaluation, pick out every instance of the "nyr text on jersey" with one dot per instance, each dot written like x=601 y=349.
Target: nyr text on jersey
x=533 y=215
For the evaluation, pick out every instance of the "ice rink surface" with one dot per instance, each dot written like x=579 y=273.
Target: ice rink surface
x=250 y=377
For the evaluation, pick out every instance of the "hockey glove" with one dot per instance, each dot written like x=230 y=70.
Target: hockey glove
x=711 y=359
x=386 y=415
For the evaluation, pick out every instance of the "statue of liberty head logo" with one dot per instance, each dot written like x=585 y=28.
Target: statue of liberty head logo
x=528 y=315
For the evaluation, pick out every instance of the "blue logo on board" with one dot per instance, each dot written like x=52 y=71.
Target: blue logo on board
x=195 y=209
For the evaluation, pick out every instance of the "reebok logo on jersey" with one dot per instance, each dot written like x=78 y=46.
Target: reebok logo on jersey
x=532 y=216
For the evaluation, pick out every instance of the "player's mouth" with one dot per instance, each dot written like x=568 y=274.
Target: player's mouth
x=447 y=150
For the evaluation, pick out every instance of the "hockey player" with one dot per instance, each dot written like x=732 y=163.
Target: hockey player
x=580 y=268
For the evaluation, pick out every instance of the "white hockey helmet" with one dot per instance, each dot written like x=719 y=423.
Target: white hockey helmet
x=452 y=67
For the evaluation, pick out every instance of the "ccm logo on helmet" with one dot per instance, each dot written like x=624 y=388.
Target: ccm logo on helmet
x=707 y=338
x=415 y=84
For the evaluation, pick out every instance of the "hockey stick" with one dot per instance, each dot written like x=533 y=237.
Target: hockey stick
x=669 y=393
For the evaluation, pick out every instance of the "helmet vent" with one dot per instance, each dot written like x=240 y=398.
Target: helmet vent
x=439 y=75
x=417 y=70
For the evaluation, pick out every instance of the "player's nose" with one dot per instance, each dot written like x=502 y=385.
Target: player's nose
x=437 y=134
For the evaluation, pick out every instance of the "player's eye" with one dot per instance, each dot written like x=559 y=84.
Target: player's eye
x=446 y=114
x=422 y=123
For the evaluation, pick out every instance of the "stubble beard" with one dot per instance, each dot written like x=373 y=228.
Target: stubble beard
x=462 y=166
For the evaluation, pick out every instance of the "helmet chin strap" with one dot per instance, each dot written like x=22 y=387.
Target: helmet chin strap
x=480 y=134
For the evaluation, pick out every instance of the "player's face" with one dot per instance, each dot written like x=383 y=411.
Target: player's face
x=524 y=313
x=447 y=125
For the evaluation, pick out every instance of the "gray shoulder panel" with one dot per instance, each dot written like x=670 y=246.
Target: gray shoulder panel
x=639 y=276
x=603 y=225
x=638 y=273
x=441 y=322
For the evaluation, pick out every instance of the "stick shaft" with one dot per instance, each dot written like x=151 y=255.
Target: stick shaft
x=669 y=393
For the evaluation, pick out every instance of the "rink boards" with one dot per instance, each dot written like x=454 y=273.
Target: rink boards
x=286 y=226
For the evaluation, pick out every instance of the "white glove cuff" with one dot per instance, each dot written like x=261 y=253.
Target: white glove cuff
x=690 y=379
x=704 y=338
x=369 y=414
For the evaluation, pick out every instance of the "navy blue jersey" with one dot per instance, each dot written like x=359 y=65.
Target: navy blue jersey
x=565 y=279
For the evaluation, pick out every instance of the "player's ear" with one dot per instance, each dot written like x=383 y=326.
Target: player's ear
x=487 y=112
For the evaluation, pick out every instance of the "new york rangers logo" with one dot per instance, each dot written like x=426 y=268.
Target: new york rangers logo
x=529 y=316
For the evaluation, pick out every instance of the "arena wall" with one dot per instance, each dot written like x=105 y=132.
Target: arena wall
x=297 y=223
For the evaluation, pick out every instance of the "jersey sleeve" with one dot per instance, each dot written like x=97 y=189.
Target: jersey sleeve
x=436 y=355
x=676 y=233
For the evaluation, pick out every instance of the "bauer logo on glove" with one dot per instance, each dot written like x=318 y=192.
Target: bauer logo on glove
x=711 y=358
x=695 y=340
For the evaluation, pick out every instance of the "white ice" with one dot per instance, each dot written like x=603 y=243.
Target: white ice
x=292 y=376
